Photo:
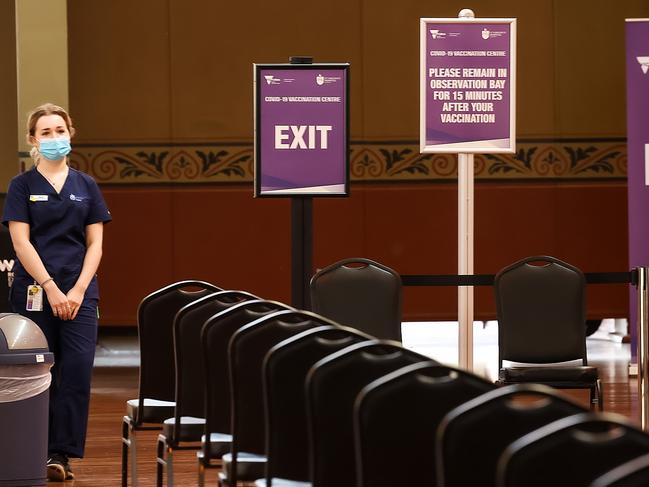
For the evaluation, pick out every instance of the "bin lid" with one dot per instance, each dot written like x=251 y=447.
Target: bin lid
x=22 y=341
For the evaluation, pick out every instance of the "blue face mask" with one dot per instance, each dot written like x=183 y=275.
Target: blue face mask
x=54 y=149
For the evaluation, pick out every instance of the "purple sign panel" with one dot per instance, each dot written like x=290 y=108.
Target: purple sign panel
x=301 y=124
x=468 y=85
x=637 y=108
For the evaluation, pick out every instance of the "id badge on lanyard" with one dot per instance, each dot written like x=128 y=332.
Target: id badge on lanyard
x=34 y=298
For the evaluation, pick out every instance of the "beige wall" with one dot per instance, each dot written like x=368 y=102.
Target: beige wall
x=41 y=60
x=180 y=70
x=590 y=65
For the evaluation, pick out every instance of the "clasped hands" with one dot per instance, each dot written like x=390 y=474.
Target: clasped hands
x=64 y=306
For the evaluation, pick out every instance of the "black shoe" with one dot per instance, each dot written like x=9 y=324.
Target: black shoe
x=58 y=468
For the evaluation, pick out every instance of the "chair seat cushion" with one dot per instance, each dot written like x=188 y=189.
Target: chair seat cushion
x=220 y=444
x=250 y=466
x=190 y=428
x=154 y=410
x=563 y=376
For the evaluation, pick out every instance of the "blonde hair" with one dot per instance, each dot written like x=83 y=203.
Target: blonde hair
x=41 y=111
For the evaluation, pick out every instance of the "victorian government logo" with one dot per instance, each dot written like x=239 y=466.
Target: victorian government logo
x=271 y=80
x=437 y=34
x=644 y=63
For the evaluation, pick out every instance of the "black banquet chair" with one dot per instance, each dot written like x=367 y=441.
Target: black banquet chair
x=634 y=473
x=360 y=293
x=155 y=401
x=541 y=310
x=471 y=437
x=187 y=423
x=215 y=338
x=571 y=452
x=285 y=370
x=332 y=386
x=247 y=351
x=396 y=419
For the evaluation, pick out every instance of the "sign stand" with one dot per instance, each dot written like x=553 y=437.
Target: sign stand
x=465 y=182
x=301 y=147
x=301 y=236
x=465 y=258
x=467 y=95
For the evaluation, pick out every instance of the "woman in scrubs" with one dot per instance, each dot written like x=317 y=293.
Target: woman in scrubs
x=55 y=216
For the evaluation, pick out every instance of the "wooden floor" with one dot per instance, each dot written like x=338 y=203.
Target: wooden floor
x=112 y=386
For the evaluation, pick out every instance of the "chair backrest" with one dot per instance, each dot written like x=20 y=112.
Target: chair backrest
x=332 y=386
x=155 y=317
x=247 y=351
x=634 y=473
x=396 y=418
x=576 y=450
x=541 y=311
x=471 y=437
x=285 y=370
x=215 y=337
x=190 y=373
x=360 y=293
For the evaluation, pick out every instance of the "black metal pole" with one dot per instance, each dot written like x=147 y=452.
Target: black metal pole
x=301 y=250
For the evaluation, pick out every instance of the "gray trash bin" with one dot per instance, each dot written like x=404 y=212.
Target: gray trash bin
x=25 y=363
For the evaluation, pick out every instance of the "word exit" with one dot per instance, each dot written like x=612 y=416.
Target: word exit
x=302 y=136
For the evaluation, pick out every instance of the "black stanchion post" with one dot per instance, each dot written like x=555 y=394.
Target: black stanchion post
x=301 y=250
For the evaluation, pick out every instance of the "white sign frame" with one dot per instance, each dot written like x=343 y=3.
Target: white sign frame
x=470 y=147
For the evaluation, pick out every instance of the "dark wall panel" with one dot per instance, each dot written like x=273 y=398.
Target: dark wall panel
x=164 y=234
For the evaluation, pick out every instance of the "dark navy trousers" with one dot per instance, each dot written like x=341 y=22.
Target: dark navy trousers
x=73 y=344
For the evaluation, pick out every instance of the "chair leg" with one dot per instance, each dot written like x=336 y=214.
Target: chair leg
x=596 y=396
x=600 y=395
x=201 y=472
x=133 y=450
x=160 y=459
x=126 y=443
x=170 y=467
x=165 y=457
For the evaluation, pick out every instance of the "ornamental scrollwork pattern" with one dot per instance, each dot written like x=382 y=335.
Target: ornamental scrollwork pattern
x=369 y=161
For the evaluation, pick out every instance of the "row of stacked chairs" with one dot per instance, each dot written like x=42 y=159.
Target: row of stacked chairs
x=286 y=397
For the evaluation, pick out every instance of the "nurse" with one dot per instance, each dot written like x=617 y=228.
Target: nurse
x=55 y=216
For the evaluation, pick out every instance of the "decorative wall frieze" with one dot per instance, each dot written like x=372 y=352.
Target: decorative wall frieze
x=380 y=161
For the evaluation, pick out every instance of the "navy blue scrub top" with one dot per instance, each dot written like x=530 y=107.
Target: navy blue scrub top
x=57 y=223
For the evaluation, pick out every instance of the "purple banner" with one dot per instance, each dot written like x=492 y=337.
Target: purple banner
x=468 y=85
x=301 y=120
x=637 y=108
